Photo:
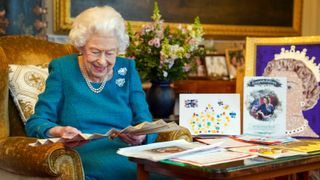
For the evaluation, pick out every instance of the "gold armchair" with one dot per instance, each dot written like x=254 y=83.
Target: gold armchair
x=17 y=159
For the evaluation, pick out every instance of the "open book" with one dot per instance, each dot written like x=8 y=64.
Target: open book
x=140 y=129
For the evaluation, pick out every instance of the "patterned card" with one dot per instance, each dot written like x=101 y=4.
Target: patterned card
x=264 y=106
x=210 y=113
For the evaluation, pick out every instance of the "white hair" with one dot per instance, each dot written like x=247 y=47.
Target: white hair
x=101 y=20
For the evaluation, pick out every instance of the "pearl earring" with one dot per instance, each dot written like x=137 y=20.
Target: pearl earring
x=302 y=104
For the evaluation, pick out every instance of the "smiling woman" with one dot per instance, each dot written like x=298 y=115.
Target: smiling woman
x=92 y=92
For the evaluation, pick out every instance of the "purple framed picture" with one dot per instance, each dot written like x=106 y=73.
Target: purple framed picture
x=298 y=59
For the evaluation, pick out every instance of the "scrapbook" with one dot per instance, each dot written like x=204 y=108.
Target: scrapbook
x=140 y=129
x=264 y=106
x=210 y=113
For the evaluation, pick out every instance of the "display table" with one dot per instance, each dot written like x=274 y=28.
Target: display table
x=201 y=86
x=255 y=168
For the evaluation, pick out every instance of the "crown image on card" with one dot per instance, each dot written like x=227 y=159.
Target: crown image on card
x=300 y=56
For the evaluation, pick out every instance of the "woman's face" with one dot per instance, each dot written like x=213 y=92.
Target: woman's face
x=99 y=56
x=265 y=101
x=294 y=90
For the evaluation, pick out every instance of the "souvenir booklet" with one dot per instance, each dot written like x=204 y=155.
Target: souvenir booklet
x=140 y=129
x=166 y=150
x=210 y=113
x=209 y=158
x=264 y=106
x=227 y=142
x=268 y=152
x=306 y=145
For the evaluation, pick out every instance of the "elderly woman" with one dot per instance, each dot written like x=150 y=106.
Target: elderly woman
x=92 y=92
x=302 y=93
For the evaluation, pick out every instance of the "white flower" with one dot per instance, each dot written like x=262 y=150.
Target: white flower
x=165 y=73
x=120 y=82
x=122 y=71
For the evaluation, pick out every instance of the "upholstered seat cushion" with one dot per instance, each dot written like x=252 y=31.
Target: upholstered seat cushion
x=26 y=82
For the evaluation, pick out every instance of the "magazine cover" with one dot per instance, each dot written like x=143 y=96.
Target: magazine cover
x=264 y=106
x=210 y=113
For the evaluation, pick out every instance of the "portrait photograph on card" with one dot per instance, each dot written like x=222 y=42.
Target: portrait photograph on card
x=210 y=113
x=264 y=108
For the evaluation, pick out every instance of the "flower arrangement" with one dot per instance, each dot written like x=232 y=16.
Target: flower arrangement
x=162 y=55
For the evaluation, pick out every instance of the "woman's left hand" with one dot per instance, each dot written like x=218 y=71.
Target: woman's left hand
x=132 y=139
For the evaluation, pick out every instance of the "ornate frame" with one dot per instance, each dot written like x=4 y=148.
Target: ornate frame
x=63 y=22
x=253 y=43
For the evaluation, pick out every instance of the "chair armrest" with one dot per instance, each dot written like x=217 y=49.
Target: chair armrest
x=17 y=157
x=182 y=133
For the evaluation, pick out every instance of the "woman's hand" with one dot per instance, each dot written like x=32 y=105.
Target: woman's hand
x=66 y=132
x=132 y=139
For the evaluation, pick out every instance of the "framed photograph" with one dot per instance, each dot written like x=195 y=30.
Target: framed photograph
x=216 y=66
x=235 y=60
x=229 y=19
x=200 y=71
x=291 y=54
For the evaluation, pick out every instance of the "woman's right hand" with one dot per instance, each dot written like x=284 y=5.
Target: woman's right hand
x=66 y=132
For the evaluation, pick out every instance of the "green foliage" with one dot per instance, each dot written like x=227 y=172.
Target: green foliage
x=161 y=54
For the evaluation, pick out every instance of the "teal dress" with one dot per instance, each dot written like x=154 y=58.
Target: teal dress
x=67 y=100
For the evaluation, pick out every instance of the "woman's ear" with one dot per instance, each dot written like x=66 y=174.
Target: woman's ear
x=81 y=50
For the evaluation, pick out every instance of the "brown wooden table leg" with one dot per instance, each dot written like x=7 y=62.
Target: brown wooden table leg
x=142 y=174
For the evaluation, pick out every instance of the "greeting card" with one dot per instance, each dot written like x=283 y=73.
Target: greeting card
x=210 y=113
x=264 y=106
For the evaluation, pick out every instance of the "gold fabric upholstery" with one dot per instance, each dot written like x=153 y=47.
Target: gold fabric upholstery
x=17 y=159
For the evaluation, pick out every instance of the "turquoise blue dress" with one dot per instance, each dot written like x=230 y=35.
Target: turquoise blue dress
x=67 y=100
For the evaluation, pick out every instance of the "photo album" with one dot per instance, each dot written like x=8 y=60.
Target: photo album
x=264 y=106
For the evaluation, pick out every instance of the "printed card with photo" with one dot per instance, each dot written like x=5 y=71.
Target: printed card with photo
x=264 y=106
x=210 y=113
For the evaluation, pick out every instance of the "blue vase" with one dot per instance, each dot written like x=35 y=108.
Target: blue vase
x=161 y=99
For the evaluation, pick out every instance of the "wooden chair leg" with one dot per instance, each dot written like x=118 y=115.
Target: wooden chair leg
x=141 y=173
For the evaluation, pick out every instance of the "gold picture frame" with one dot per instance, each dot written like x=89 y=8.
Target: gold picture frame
x=235 y=58
x=63 y=21
x=216 y=66
x=253 y=43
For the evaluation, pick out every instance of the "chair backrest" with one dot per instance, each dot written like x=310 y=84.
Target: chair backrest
x=22 y=50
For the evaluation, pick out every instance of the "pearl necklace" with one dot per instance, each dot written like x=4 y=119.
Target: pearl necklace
x=99 y=89
x=297 y=130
